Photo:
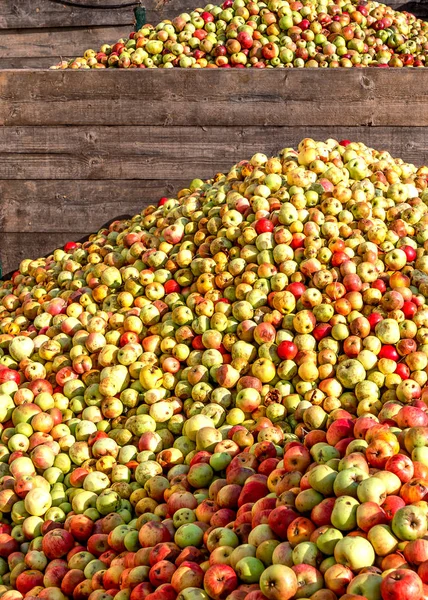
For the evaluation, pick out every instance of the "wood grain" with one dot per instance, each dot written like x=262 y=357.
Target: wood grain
x=25 y=14
x=288 y=97
x=156 y=153
x=28 y=62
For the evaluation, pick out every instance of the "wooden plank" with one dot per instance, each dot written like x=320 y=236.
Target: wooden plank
x=29 y=62
x=120 y=152
x=156 y=153
x=76 y=207
x=25 y=14
x=20 y=43
x=288 y=97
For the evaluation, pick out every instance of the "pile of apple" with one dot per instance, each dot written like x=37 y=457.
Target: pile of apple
x=225 y=397
x=271 y=34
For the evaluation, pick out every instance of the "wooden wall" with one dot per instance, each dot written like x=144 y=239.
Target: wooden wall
x=38 y=33
x=80 y=148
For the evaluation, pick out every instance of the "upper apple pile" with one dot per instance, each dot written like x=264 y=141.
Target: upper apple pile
x=225 y=397
x=272 y=34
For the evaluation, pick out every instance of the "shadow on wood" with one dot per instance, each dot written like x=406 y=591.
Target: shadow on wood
x=418 y=8
x=7 y=276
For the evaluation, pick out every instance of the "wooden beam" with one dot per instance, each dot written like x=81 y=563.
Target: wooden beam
x=25 y=14
x=287 y=97
x=156 y=154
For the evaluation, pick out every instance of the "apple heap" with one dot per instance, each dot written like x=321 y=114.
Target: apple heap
x=250 y=518
x=276 y=33
x=226 y=395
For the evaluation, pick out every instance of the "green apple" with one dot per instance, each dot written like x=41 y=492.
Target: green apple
x=327 y=541
x=409 y=523
x=249 y=569
x=321 y=478
x=354 y=552
x=344 y=514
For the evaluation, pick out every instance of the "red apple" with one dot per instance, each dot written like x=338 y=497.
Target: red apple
x=402 y=584
x=57 y=543
x=219 y=581
x=416 y=552
x=401 y=465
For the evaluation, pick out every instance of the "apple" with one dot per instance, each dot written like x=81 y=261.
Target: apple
x=402 y=466
x=416 y=552
x=321 y=478
x=344 y=514
x=187 y=575
x=57 y=543
x=337 y=577
x=354 y=552
x=220 y=581
x=409 y=523
x=383 y=540
x=401 y=584
x=249 y=569
x=367 y=585
x=278 y=582
x=309 y=580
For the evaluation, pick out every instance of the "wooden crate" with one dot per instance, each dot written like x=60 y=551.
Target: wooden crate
x=79 y=148
x=38 y=33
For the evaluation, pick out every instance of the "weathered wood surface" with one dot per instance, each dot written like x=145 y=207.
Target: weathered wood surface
x=42 y=48
x=28 y=62
x=77 y=149
x=155 y=153
x=175 y=97
x=28 y=14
